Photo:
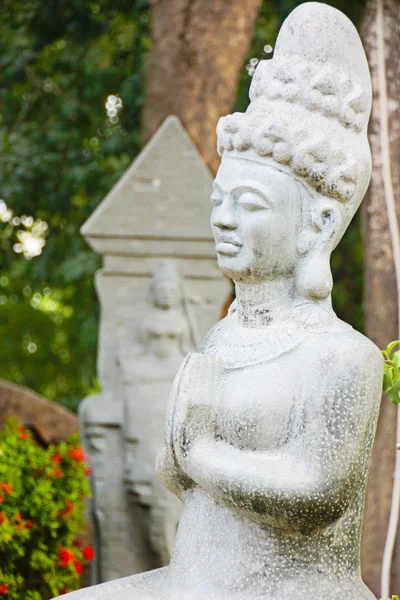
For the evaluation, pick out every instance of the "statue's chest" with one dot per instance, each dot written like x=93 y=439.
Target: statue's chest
x=256 y=406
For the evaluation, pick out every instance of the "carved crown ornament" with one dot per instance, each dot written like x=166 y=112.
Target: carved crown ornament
x=309 y=116
x=324 y=90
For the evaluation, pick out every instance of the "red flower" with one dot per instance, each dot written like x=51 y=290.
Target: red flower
x=18 y=517
x=77 y=454
x=78 y=567
x=6 y=487
x=63 y=591
x=56 y=458
x=20 y=526
x=88 y=471
x=69 y=509
x=88 y=553
x=23 y=434
x=2 y=498
x=65 y=556
x=2 y=518
x=77 y=543
x=3 y=589
x=29 y=524
x=57 y=473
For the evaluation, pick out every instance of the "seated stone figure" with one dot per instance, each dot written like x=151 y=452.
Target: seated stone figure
x=270 y=427
x=165 y=337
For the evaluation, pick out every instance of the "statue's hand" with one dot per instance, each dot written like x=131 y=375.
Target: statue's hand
x=174 y=479
x=194 y=414
x=190 y=416
x=167 y=467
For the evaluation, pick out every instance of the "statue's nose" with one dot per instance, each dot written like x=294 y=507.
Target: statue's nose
x=224 y=217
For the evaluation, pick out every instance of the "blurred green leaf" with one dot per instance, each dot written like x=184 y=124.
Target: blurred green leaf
x=391 y=347
x=396 y=359
x=394 y=392
x=387 y=379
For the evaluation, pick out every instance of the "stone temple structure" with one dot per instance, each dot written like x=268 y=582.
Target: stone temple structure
x=160 y=291
x=270 y=426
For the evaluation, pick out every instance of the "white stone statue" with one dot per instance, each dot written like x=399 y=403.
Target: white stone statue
x=164 y=336
x=270 y=427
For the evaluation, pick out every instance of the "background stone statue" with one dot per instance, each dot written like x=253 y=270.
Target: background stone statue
x=164 y=337
x=147 y=216
x=269 y=428
x=141 y=513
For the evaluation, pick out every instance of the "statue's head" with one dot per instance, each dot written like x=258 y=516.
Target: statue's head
x=165 y=287
x=296 y=165
x=164 y=332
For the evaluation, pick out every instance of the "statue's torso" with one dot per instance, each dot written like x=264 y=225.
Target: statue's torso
x=272 y=385
x=269 y=394
x=256 y=406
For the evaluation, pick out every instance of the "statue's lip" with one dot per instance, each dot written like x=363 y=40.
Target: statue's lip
x=227 y=247
x=228 y=240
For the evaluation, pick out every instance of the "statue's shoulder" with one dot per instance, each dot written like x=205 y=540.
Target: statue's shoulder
x=352 y=343
x=136 y=587
x=99 y=409
x=213 y=336
x=88 y=404
x=346 y=351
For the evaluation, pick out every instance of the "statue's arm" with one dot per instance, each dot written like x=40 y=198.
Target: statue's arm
x=167 y=468
x=311 y=480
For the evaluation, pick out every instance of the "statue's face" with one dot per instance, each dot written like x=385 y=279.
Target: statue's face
x=256 y=211
x=166 y=293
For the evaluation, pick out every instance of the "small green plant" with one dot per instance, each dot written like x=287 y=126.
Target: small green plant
x=393 y=598
x=42 y=492
x=391 y=375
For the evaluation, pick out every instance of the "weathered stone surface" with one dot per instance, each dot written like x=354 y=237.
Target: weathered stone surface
x=51 y=421
x=270 y=427
x=164 y=336
x=160 y=291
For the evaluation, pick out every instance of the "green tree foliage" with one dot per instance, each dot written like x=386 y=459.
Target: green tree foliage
x=60 y=153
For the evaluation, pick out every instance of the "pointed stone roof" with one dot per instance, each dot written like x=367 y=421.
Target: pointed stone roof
x=164 y=194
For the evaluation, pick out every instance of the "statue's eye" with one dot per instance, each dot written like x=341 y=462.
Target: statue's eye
x=216 y=200
x=252 y=201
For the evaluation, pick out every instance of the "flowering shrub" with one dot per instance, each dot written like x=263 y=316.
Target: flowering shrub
x=42 y=495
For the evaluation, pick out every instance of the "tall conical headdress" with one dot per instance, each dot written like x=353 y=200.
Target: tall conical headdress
x=310 y=106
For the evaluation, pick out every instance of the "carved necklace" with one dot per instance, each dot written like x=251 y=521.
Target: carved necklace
x=238 y=346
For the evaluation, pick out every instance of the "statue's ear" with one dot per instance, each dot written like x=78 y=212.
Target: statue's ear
x=314 y=245
x=326 y=221
x=323 y=226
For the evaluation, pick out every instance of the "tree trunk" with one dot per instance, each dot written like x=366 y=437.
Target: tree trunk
x=380 y=284
x=199 y=47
